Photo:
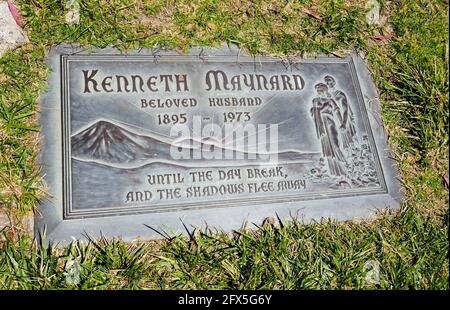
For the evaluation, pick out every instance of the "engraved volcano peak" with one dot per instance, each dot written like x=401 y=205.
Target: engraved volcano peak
x=111 y=143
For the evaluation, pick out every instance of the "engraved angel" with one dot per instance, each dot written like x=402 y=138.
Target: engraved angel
x=327 y=119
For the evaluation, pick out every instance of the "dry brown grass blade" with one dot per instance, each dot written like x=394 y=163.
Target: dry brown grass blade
x=312 y=13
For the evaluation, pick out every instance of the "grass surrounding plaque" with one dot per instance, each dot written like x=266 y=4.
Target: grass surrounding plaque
x=408 y=54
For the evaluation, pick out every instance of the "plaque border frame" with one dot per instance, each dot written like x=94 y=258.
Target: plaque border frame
x=69 y=213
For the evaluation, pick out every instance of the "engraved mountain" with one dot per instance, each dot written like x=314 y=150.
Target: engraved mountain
x=110 y=144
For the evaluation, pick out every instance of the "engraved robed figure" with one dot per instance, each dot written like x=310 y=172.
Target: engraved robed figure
x=347 y=130
x=327 y=119
x=347 y=162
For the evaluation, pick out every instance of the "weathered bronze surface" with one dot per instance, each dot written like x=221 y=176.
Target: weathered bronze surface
x=213 y=137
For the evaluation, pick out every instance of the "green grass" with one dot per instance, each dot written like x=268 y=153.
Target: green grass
x=410 y=69
x=319 y=256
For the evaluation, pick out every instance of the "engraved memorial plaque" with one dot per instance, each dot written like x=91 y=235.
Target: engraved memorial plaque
x=212 y=137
